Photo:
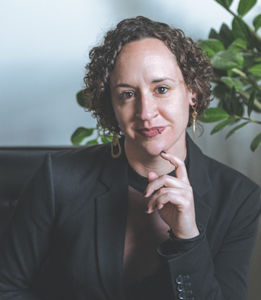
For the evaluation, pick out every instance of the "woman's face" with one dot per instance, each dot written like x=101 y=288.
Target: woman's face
x=150 y=98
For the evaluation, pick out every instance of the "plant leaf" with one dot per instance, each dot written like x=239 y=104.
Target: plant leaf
x=109 y=138
x=244 y=6
x=233 y=82
x=220 y=90
x=234 y=130
x=224 y=3
x=80 y=99
x=232 y=100
x=106 y=139
x=213 y=34
x=251 y=103
x=224 y=103
x=80 y=134
x=213 y=114
x=222 y=125
x=212 y=46
x=257 y=41
x=256 y=142
x=246 y=94
x=238 y=45
x=239 y=72
x=230 y=72
x=92 y=142
x=241 y=30
x=226 y=35
x=249 y=58
x=239 y=109
x=226 y=60
x=257 y=22
x=256 y=70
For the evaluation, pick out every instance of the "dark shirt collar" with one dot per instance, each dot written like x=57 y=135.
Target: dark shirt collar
x=139 y=182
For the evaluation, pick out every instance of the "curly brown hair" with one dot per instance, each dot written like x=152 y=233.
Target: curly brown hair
x=194 y=65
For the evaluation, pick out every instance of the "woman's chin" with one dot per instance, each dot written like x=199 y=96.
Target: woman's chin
x=155 y=148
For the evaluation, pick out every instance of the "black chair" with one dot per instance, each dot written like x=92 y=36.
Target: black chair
x=17 y=165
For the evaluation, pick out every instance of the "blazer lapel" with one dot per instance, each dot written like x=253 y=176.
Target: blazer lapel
x=112 y=207
x=111 y=215
x=199 y=180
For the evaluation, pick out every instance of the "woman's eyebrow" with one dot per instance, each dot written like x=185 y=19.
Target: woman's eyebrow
x=122 y=85
x=162 y=79
x=153 y=81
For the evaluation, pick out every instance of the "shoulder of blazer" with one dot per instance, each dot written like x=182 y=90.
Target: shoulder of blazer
x=85 y=158
x=208 y=176
x=225 y=175
x=71 y=168
x=231 y=190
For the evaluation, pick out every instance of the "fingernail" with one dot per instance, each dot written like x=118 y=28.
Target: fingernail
x=144 y=193
x=162 y=152
x=147 y=209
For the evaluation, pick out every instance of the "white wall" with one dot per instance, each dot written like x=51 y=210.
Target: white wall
x=44 y=48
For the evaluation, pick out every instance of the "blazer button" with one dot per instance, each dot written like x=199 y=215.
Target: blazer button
x=180 y=287
x=182 y=295
x=179 y=279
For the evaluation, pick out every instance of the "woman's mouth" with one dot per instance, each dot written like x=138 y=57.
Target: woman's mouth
x=151 y=132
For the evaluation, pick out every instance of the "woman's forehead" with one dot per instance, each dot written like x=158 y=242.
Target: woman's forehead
x=146 y=46
x=149 y=58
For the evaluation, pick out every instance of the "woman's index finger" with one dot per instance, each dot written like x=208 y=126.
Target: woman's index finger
x=180 y=168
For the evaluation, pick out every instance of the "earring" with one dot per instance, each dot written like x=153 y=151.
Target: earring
x=194 y=116
x=115 y=142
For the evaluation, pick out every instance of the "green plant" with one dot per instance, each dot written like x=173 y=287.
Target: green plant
x=236 y=57
x=81 y=133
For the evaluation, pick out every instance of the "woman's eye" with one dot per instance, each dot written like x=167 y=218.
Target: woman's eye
x=162 y=89
x=126 y=95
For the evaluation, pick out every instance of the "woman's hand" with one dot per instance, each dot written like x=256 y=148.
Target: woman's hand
x=174 y=199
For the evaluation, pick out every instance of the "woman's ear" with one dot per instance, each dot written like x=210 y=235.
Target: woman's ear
x=193 y=99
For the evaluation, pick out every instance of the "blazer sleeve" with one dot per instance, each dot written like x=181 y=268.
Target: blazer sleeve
x=25 y=241
x=196 y=275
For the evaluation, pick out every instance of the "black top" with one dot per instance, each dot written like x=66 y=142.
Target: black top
x=139 y=182
x=175 y=245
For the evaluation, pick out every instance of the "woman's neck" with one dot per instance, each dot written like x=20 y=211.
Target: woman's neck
x=143 y=163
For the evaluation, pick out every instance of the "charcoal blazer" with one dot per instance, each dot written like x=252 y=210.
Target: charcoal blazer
x=65 y=238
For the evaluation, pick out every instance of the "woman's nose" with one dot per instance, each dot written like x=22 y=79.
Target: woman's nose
x=147 y=108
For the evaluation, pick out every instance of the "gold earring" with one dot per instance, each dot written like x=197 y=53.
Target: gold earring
x=115 y=142
x=194 y=116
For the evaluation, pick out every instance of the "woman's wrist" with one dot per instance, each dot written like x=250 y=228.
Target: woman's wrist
x=200 y=229
x=189 y=234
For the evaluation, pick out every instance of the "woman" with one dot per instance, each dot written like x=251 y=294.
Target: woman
x=149 y=217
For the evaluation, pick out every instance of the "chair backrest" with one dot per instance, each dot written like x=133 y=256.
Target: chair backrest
x=17 y=165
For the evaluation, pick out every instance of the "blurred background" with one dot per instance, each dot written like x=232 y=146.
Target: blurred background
x=44 y=48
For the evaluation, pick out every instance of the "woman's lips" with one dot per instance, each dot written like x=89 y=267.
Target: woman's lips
x=151 y=132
